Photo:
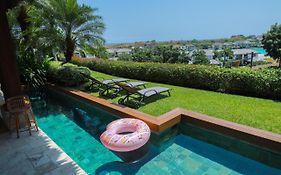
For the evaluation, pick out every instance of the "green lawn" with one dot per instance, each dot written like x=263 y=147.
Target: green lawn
x=255 y=112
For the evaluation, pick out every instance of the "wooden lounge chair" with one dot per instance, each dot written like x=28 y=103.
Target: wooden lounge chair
x=105 y=86
x=143 y=93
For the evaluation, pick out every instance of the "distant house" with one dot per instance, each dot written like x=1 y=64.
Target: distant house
x=187 y=48
x=118 y=51
x=76 y=53
x=218 y=46
x=244 y=54
x=210 y=54
x=215 y=62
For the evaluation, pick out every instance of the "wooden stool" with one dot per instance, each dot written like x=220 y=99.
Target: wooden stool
x=20 y=106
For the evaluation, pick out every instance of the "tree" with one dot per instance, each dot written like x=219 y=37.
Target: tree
x=199 y=57
x=98 y=50
x=228 y=53
x=66 y=25
x=162 y=54
x=272 y=42
x=125 y=57
x=224 y=55
x=31 y=61
x=170 y=54
x=219 y=55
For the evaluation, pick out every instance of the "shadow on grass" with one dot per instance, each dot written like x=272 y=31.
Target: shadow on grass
x=134 y=102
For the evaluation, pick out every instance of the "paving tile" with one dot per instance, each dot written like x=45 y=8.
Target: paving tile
x=45 y=168
x=22 y=167
x=38 y=160
x=66 y=169
x=36 y=154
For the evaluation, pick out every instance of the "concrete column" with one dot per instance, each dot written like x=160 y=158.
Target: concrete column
x=9 y=75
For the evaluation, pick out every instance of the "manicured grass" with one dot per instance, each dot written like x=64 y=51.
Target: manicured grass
x=254 y=112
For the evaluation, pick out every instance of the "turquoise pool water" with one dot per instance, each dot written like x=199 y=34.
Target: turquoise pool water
x=170 y=154
x=260 y=51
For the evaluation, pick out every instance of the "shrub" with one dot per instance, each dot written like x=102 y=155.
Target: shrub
x=257 y=63
x=32 y=70
x=67 y=74
x=244 y=81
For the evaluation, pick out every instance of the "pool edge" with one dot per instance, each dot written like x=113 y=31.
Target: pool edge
x=255 y=136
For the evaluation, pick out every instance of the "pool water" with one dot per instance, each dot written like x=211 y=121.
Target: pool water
x=169 y=154
x=260 y=51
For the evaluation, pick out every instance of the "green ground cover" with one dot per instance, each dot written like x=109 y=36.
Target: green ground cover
x=255 y=112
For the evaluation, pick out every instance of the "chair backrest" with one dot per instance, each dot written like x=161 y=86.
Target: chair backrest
x=127 y=88
x=18 y=104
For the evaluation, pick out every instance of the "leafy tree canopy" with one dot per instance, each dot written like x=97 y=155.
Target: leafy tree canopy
x=227 y=53
x=199 y=57
x=163 y=54
x=272 y=42
x=66 y=25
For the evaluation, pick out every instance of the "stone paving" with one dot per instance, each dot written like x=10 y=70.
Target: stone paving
x=36 y=154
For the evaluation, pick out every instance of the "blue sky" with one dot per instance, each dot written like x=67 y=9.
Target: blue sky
x=162 y=20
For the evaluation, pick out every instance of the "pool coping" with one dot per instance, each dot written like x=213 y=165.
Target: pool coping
x=265 y=139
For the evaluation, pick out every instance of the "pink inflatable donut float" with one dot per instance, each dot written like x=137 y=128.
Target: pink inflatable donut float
x=125 y=135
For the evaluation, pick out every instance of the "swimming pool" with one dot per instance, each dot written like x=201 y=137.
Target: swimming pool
x=177 y=151
x=260 y=50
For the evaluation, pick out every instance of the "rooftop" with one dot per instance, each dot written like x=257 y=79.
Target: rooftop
x=242 y=51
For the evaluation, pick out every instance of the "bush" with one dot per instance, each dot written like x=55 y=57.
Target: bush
x=67 y=74
x=257 y=63
x=232 y=63
x=244 y=81
x=33 y=70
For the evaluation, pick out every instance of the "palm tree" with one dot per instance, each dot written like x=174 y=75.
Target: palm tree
x=66 y=25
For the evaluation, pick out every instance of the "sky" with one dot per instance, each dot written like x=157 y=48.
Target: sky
x=163 y=20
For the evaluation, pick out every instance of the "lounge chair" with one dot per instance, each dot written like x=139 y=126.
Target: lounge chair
x=143 y=93
x=106 y=85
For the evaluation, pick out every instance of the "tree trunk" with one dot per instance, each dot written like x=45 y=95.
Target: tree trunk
x=9 y=75
x=69 y=49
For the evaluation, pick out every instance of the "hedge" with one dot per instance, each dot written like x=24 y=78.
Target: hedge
x=243 y=81
x=67 y=74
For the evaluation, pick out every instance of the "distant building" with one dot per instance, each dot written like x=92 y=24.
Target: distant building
x=118 y=51
x=188 y=48
x=76 y=53
x=218 y=46
x=244 y=54
x=210 y=54
x=215 y=62
x=237 y=36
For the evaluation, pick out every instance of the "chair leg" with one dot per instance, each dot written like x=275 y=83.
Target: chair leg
x=169 y=93
x=34 y=120
x=10 y=123
x=102 y=92
x=142 y=99
x=28 y=122
x=122 y=100
x=17 y=125
x=91 y=86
